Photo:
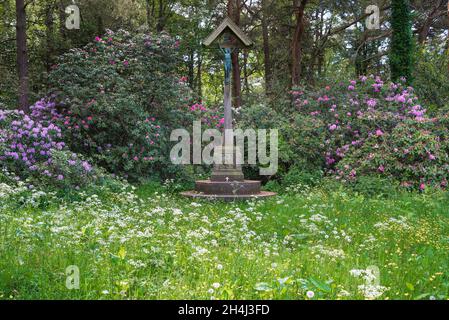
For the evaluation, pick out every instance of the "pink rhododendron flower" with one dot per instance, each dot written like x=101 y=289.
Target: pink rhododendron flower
x=324 y=99
x=371 y=103
x=400 y=99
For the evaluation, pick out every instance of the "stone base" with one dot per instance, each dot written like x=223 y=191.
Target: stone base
x=231 y=187
x=228 y=190
x=197 y=195
x=223 y=174
x=226 y=168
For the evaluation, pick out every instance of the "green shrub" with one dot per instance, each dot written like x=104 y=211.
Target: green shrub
x=365 y=127
x=120 y=97
x=298 y=176
x=375 y=186
x=31 y=147
x=416 y=153
x=430 y=82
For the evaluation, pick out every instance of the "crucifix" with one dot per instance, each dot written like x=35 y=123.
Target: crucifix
x=227 y=89
x=232 y=38
x=227 y=181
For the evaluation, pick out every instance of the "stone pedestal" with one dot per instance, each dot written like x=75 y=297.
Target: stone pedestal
x=226 y=166
x=227 y=181
x=245 y=187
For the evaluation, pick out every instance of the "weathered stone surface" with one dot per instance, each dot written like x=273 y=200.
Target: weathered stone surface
x=228 y=190
x=225 y=168
x=226 y=174
x=197 y=195
x=245 y=187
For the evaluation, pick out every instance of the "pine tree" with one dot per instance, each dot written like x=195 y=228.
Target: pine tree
x=401 y=55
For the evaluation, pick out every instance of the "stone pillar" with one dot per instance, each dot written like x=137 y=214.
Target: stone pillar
x=227 y=168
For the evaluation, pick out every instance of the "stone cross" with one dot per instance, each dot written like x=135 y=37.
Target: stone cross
x=233 y=38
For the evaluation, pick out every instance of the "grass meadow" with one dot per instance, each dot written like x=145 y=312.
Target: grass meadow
x=137 y=243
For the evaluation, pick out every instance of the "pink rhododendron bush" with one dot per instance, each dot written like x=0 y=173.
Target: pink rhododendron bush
x=363 y=127
x=120 y=97
x=32 y=148
x=114 y=102
x=377 y=128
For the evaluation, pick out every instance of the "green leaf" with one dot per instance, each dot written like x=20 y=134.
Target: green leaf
x=284 y=281
x=422 y=296
x=263 y=286
x=320 y=285
x=410 y=286
x=122 y=253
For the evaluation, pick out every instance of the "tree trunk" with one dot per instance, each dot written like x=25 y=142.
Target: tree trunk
x=148 y=12
x=161 y=19
x=199 y=78
x=49 y=23
x=62 y=17
x=266 y=48
x=296 y=46
x=245 y=72
x=100 y=25
x=22 y=55
x=191 y=66
x=234 y=13
x=424 y=32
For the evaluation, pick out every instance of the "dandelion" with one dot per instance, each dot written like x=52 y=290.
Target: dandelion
x=216 y=285
x=310 y=294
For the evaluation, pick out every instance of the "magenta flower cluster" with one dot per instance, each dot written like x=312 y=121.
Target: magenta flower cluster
x=211 y=118
x=358 y=111
x=28 y=140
